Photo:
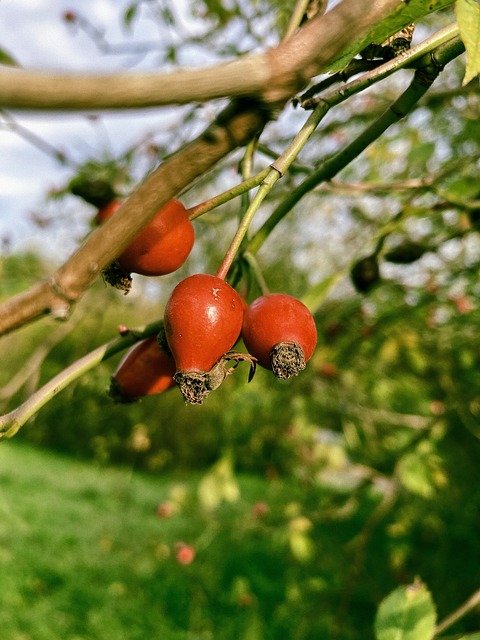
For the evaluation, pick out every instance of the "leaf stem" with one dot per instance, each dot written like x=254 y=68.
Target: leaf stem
x=11 y=422
x=229 y=194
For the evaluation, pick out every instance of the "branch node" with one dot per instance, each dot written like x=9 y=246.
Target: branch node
x=62 y=309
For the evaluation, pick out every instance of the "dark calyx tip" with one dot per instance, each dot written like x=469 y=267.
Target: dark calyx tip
x=194 y=385
x=116 y=393
x=287 y=359
x=117 y=277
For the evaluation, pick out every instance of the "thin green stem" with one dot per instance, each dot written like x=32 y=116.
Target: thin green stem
x=296 y=18
x=276 y=171
x=459 y=613
x=407 y=59
x=10 y=423
x=423 y=79
x=229 y=194
x=262 y=192
x=253 y=263
x=246 y=169
x=326 y=102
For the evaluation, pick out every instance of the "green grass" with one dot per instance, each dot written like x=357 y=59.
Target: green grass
x=84 y=555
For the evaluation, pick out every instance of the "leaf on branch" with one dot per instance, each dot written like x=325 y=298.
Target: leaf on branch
x=219 y=485
x=468 y=17
x=129 y=15
x=405 y=15
x=408 y=613
x=6 y=58
x=317 y=294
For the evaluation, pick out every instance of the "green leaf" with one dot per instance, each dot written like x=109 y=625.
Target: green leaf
x=314 y=297
x=301 y=546
x=403 y=16
x=129 y=14
x=468 y=17
x=421 y=471
x=471 y=636
x=6 y=58
x=219 y=485
x=408 y=613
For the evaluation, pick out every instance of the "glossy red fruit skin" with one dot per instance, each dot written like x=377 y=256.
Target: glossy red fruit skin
x=145 y=370
x=277 y=318
x=162 y=246
x=203 y=320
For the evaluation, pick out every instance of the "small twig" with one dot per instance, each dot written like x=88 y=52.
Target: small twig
x=252 y=261
x=355 y=67
x=97 y=36
x=423 y=79
x=246 y=169
x=35 y=140
x=263 y=190
x=229 y=194
x=296 y=18
x=371 y=187
x=10 y=423
x=34 y=362
x=455 y=616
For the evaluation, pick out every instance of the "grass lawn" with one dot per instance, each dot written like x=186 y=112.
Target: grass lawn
x=84 y=554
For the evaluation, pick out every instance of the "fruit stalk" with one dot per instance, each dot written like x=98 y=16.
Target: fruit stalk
x=276 y=171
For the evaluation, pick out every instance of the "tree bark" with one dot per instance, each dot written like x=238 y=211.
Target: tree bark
x=273 y=76
x=270 y=79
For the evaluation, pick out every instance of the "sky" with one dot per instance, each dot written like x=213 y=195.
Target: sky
x=37 y=36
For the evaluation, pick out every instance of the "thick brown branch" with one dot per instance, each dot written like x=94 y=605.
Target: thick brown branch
x=234 y=127
x=274 y=75
x=288 y=66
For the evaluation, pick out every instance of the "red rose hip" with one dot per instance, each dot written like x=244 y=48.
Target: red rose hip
x=203 y=320
x=160 y=248
x=280 y=332
x=145 y=370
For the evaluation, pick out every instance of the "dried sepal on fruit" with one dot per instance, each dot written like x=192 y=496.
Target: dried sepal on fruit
x=279 y=331
x=203 y=320
x=195 y=386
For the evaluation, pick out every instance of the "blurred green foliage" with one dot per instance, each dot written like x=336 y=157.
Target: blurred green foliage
x=307 y=500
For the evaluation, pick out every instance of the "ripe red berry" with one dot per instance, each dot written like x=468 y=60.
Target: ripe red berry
x=328 y=370
x=184 y=553
x=280 y=332
x=160 y=248
x=144 y=371
x=203 y=320
x=165 y=509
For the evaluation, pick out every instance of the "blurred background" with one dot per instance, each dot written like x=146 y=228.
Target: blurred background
x=278 y=509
